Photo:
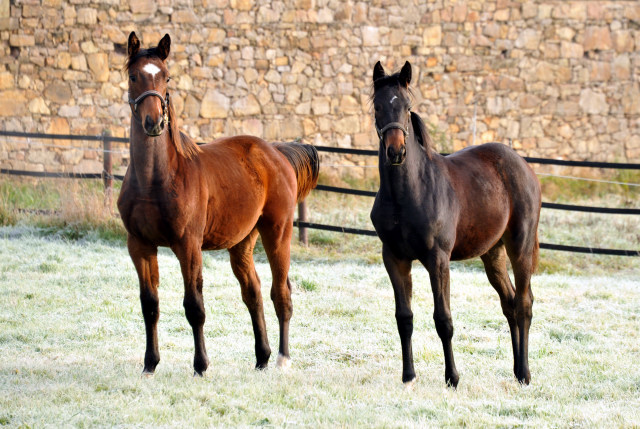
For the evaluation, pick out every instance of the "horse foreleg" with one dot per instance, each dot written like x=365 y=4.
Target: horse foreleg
x=438 y=266
x=495 y=265
x=400 y=275
x=241 y=257
x=190 y=257
x=145 y=259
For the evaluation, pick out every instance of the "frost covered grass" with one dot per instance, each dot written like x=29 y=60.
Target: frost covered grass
x=72 y=344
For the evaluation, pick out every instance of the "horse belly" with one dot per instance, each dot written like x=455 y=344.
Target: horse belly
x=476 y=241
x=229 y=226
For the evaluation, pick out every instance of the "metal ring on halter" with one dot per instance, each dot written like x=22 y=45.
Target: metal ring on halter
x=163 y=100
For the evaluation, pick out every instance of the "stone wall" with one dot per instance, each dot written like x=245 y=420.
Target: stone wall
x=553 y=78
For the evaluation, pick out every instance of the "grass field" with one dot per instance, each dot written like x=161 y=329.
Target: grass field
x=72 y=344
x=72 y=336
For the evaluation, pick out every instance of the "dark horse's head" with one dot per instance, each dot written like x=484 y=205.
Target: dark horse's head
x=148 y=80
x=392 y=106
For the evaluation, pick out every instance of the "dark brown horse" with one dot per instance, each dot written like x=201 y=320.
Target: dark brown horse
x=481 y=201
x=216 y=196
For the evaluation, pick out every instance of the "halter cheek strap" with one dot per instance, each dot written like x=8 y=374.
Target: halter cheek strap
x=163 y=100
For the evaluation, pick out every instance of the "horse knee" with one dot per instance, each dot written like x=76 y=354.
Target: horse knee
x=149 y=302
x=405 y=323
x=250 y=296
x=282 y=303
x=444 y=326
x=509 y=309
x=194 y=310
x=524 y=306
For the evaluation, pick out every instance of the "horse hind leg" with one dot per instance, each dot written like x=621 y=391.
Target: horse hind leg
x=241 y=258
x=495 y=265
x=276 y=238
x=523 y=258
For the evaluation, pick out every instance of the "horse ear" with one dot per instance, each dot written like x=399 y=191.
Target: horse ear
x=378 y=71
x=164 y=47
x=405 y=74
x=134 y=44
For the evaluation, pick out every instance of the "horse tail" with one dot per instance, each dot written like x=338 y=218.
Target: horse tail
x=305 y=162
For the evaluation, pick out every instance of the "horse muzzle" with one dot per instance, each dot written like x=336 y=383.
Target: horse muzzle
x=153 y=128
x=393 y=137
x=396 y=155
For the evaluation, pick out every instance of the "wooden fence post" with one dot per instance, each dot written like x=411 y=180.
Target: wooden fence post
x=302 y=217
x=107 y=172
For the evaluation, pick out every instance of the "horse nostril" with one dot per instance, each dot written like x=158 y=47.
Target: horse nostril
x=390 y=153
x=148 y=123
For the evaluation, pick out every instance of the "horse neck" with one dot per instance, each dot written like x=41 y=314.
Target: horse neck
x=407 y=181
x=153 y=159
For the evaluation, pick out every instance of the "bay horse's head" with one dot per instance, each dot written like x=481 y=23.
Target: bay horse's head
x=148 y=80
x=392 y=106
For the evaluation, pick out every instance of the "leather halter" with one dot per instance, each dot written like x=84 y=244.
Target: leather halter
x=163 y=100
x=391 y=126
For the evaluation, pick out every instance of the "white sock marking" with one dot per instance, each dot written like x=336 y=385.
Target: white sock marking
x=283 y=362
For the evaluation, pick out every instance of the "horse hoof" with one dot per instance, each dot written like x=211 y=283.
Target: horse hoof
x=283 y=362
x=408 y=385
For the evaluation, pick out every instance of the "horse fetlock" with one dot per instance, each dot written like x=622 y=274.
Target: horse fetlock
x=200 y=364
x=151 y=360
x=452 y=379
x=262 y=356
x=409 y=384
x=523 y=375
x=409 y=377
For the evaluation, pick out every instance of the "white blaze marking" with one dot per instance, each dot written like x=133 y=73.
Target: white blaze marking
x=393 y=99
x=152 y=69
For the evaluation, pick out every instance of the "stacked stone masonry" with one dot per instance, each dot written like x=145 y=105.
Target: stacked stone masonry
x=553 y=78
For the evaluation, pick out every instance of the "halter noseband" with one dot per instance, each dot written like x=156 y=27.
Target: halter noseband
x=391 y=126
x=163 y=100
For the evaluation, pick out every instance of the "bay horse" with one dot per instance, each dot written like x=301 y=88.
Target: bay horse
x=217 y=196
x=481 y=201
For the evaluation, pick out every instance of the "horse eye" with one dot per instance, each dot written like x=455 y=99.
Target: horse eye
x=132 y=77
x=168 y=79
